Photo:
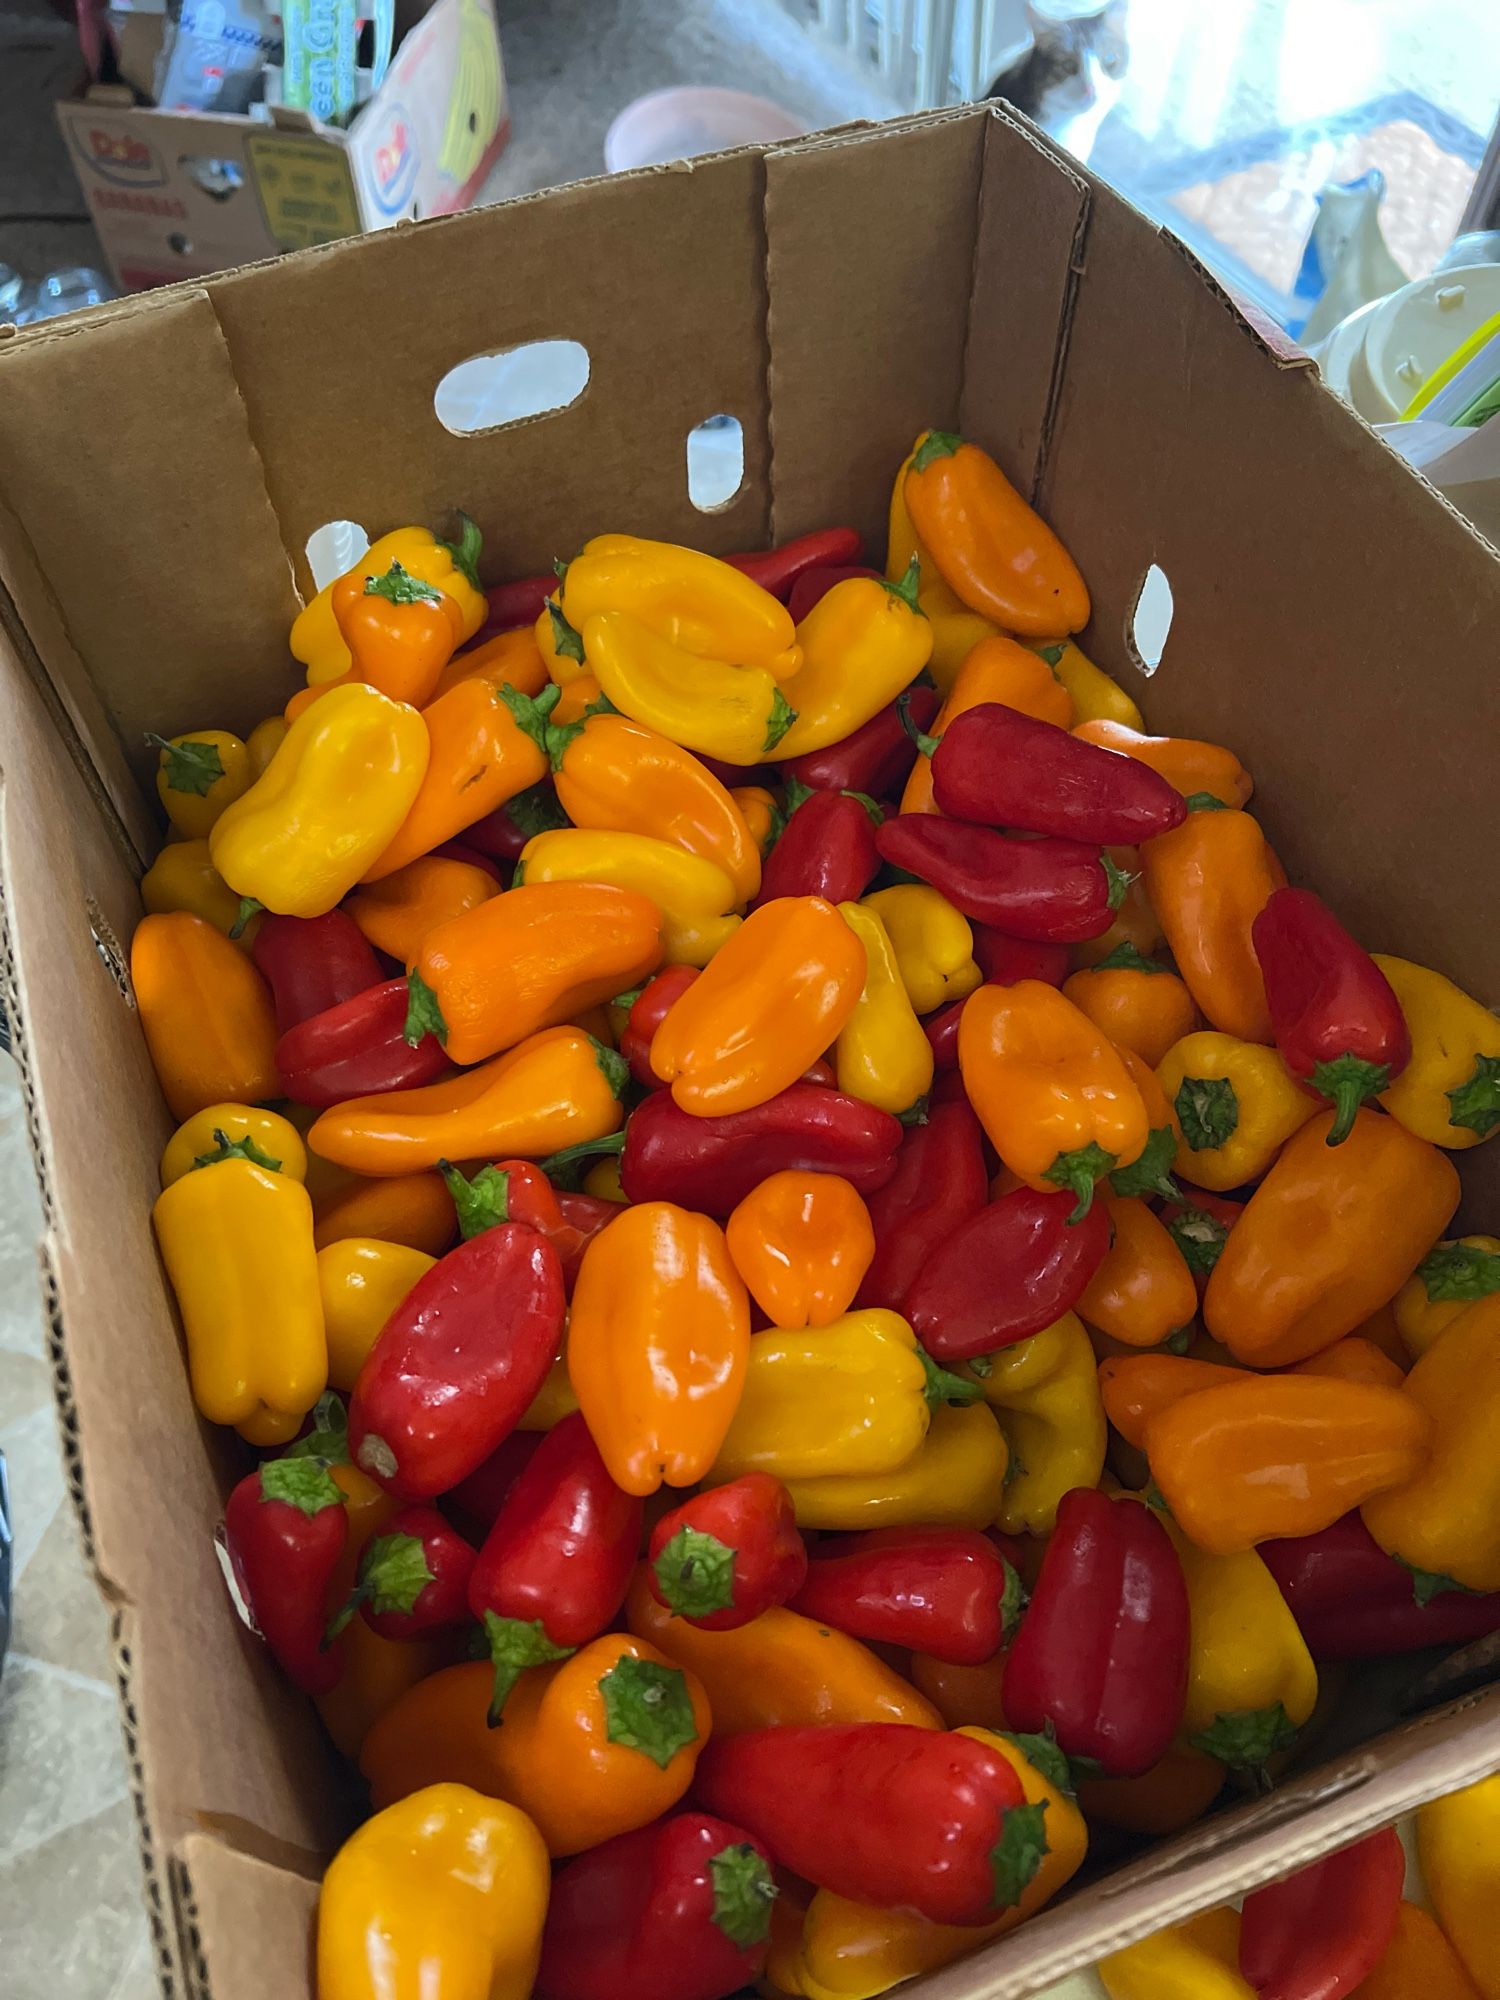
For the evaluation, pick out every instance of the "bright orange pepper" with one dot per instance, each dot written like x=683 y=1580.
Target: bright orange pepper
x=993 y=549
x=766 y=1006
x=1168 y=1797
x=400 y=631
x=780 y=1671
x=1139 y=1004
x=1192 y=767
x=414 y=1209
x=1329 y=1235
x=1419 y=1964
x=510 y=659
x=398 y=911
x=1143 y=1292
x=1137 y=1387
x=577 y=697
x=531 y=958
x=658 y=1343
x=206 y=1014
x=963 y=1696
x=760 y=812
x=1208 y=880
x=1053 y=1095
x=1286 y=1455
x=802 y=1243
x=377 y=1672
x=1353 y=1359
x=1135 y=923
x=1382 y=1330
x=596 y=1746
x=997 y=669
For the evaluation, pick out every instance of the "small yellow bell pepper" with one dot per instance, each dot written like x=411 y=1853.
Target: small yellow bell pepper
x=603 y=1182
x=328 y=806
x=183 y=877
x=848 y=1398
x=362 y=1280
x=862 y=644
x=1045 y=1395
x=440 y=1897
x=933 y=943
x=1449 y=1279
x=451 y=566
x=693 y=601
x=1234 y=1105
x=264 y=740
x=1097 y=697
x=197 y=775
x=276 y=1138
x=881 y=1054
x=1458 y=1843
x=236 y=1236
x=956 y=630
x=694 y=895
x=1198 y=1960
x=1449 y=1092
x=955 y=1480
x=731 y=712
x=854 y=1951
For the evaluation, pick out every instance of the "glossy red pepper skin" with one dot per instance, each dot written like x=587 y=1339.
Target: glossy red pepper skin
x=1049 y=891
x=880 y=1812
x=476 y=1500
x=1013 y=1268
x=519 y=602
x=814 y=585
x=518 y=1191
x=1316 y=1935
x=284 y=1556
x=711 y=1164
x=1006 y=961
x=778 y=569
x=941 y=1030
x=940 y=1183
x=646 y=1015
x=441 y=1602
x=1102 y=1653
x=458 y=1363
x=356 y=1048
x=759 y=1561
x=312 y=963
x=827 y=849
x=875 y=759
x=1353 y=1601
x=930 y=1590
x=1337 y=1022
x=995 y=766
x=650 y=1915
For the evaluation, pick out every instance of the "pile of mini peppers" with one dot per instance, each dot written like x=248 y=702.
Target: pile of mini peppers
x=838 y=1292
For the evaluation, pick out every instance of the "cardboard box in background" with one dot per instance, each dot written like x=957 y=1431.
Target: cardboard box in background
x=835 y=295
x=177 y=194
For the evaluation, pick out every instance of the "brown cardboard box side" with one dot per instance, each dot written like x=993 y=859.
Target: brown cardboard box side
x=162 y=464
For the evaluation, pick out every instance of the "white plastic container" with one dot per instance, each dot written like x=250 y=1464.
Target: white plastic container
x=689 y=119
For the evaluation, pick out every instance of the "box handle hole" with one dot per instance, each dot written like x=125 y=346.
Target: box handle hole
x=715 y=462
x=333 y=549
x=489 y=391
x=1150 y=621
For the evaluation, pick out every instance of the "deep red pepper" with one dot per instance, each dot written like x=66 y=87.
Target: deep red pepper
x=680 y=1910
x=882 y=1812
x=518 y=1191
x=1102 y=1653
x=778 y=569
x=458 y=1363
x=1337 y=1023
x=1006 y=961
x=284 y=1531
x=556 y=1565
x=1317 y=1934
x=944 y=1591
x=477 y=1499
x=312 y=963
x=940 y=1183
x=1052 y=891
x=519 y=602
x=355 y=1049
x=1010 y=1270
x=728 y=1554
x=1353 y=1601
x=941 y=1030
x=413 y=1578
x=875 y=758
x=814 y=585
x=1200 y=1229
x=647 y=1013
x=504 y=832
x=827 y=848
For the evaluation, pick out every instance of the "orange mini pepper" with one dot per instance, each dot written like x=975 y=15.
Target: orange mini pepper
x=1143 y=1292
x=400 y=631
x=1136 y=1002
x=997 y=669
x=1208 y=880
x=1354 y=1359
x=1192 y=767
x=766 y=1006
x=510 y=659
x=1269 y=1456
x=1418 y=1964
x=377 y=1672
x=1136 y=1388
x=414 y=1209
x=1135 y=921
x=1051 y=1092
x=802 y=1243
x=658 y=1344
x=992 y=548
x=760 y=811
x=1168 y=1797
x=963 y=1696
x=529 y=959
x=398 y=911
x=558 y=1088
x=206 y=1014
x=1329 y=1235
x=596 y=1746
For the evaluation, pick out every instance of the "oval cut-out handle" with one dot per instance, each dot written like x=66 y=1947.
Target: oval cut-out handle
x=1151 y=620
x=489 y=391
x=715 y=462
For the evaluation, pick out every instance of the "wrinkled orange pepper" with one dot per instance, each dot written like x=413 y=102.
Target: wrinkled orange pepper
x=1208 y=880
x=1143 y=1292
x=766 y=1006
x=658 y=1343
x=414 y=1209
x=206 y=1014
x=1137 y=1387
x=510 y=659
x=996 y=670
x=398 y=911
x=400 y=631
x=802 y=1243
x=1137 y=1003
x=1192 y=767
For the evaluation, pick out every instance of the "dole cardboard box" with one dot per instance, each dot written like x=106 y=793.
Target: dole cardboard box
x=177 y=194
x=163 y=462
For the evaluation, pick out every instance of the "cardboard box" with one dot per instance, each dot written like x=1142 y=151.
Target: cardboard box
x=179 y=194
x=163 y=462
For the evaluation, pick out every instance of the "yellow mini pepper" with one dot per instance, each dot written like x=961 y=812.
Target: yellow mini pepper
x=361 y=1281
x=183 y=877
x=956 y=1479
x=881 y=1055
x=693 y=601
x=862 y=644
x=1198 y=1960
x=264 y=740
x=1458 y=1842
x=1097 y=696
x=198 y=775
x=722 y=709
x=1449 y=1092
x=1234 y=1106
x=933 y=943
x=1450 y=1278
x=694 y=895
x=1045 y=1395
x=452 y=566
x=269 y=1133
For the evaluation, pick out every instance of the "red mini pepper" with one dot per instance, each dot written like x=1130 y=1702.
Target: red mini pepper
x=827 y=847
x=728 y=1554
x=1102 y=1653
x=478 y=1497
x=504 y=832
x=1013 y=1268
x=882 y=1812
x=941 y=1030
x=355 y=1049
x=778 y=569
x=944 y=1591
x=518 y=1191
x=1336 y=1020
x=1006 y=961
x=940 y=1183
x=647 y=1012
x=874 y=759
x=517 y=603
x=284 y=1531
x=458 y=1362
x=413 y=1578
x=556 y=1565
x=1053 y=891
x=680 y=1910
x=1353 y=1601
x=814 y=585
x=1317 y=1934
x=312 y=963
